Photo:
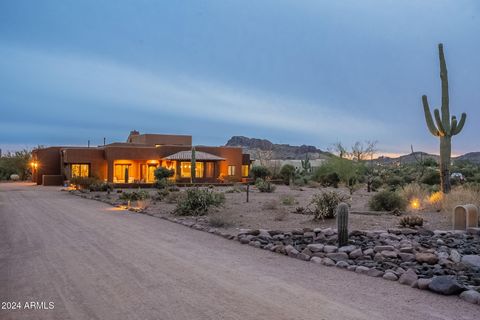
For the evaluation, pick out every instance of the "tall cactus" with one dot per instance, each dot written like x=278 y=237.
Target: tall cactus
x=445 y=127
x=342 y=224
x=193 y=166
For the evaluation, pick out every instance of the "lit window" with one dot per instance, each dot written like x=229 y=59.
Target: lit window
x=185 y=168
x=231 y=170
x=199 y=170
x=80 y=170
x=122 y=173
x=209 y=169
x=245 y=170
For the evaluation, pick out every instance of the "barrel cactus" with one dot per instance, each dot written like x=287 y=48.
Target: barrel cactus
x=445 y=127
x=342 y=224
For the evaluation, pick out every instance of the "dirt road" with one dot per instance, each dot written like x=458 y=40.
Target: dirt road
x=93 y=262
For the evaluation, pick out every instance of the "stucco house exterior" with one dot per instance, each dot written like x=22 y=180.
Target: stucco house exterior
x=134 y=161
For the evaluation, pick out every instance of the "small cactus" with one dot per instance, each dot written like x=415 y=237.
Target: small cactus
x=411 y=221
x=342 y=224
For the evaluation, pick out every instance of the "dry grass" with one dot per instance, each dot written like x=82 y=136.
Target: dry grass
x=288 y=200
x=459 y=196
x=219 y=221
x=416 y=195
x=271 y=204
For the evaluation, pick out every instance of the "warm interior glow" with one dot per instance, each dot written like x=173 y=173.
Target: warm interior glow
x=80 y=170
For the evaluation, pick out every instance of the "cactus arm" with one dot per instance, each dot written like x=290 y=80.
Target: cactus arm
x=428 y=117
x=445 y=96
x=453 y=126
x=438 y=120
x=460 y=124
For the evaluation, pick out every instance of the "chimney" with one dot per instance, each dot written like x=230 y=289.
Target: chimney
x=132 y=133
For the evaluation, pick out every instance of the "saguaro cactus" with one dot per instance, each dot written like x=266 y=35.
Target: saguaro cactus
x=193 y=165
x=342 y=224
x=445 y=127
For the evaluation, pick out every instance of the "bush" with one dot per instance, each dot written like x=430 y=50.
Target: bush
x=287 y=173
x=376 y=183
x=270 y=205
x=219 y=221
x=460 y=196
x=84 y=182
x=259 y=172
x=431 y=178
x=411 y=221
x=134 y=195
x=288 y=200
x=161 y=176
x=264 y=186
x=101 y=186
x=395 y=182
x=197 y=202
x=325 y=204
x=387 y=201
x=330 y=180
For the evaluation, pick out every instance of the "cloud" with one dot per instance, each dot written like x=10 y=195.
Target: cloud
x=105 y=82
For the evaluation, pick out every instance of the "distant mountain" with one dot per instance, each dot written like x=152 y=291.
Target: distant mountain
x=471 y=156
x=262 y=147
x=408 y=158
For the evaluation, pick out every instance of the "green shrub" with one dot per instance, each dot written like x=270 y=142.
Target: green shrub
x=325 y=204
x=84 y=182
x=197 y=202
x=395 y=182
x=387 y=201
x=259 y=172
x=161 y=176
x=288 y=200
x=431 y=177
x=101 y=186
x=134 y=195
x=219 y=221
x=376 y=183
x=264 y=186
x=287 y=173
x=330 y=180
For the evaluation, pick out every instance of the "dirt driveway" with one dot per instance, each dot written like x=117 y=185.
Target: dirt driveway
x=94 y=262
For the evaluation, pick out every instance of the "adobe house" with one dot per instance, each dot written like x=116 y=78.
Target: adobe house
x=134 y=162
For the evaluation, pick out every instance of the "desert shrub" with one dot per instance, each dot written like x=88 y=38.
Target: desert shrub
x=459 y=196
x=270 y=205
x=434 y=201
x=376 y=183
x=287 y=200
x=162 y=194
x=264 y=186
x=16 y=163
x=325 y=204
x=287 y=173
x=387 y=201
x=330 y=180
x=84 y=182
x=411 y=221
x=161 y=176
x=198 y=201
x=101 y=186
x=414 y=191
x=236 y=188
x=174 y=197
x=259 y=172
x=302 y=210
x=134 y=195
x=219 y=221
x=394 y=182
x=431 y=177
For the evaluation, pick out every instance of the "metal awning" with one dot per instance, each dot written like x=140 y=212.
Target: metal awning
x=199 y=156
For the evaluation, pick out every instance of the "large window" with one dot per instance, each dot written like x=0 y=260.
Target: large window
x=148 y=172
x=245 y=170
x=80 y=170
x=186 y=169
x=231 y=170
x=209 y=169
x=122 y=173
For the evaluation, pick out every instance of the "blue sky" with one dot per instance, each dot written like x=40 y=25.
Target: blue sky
x=298 y=72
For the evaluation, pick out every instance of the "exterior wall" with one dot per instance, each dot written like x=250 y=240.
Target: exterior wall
x=95 y=157
x=233 y=157
x=161 y=139
x=48 y=163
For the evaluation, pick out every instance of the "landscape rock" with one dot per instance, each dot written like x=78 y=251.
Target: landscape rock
x=316 y=260
x=446 y=285
x=389 y=254
x=347 y=249
x=426 y=257
x=329 y=249
x=355 y=254
x=375 y=273
x=423 y=283
x=342 y=264
x=338 y=256
x=383 y=248
x=471 y=296
x=390 y=276
x=315 y=247
x=328 y=262
x=407 y=257
x=408 y=278
x=455 y=256
x=471 y=260
x=361 y=269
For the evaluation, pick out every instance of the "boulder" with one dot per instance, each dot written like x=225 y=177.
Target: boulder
x=342 y=264
x=338 y=256
x=329 y=249
x=375 y=272
x=356 y=254
x=471 y=296
x=315 y=247
x=347 y=249
x=389 y=254
x=390 y=276
x=328 y=262
x=408 y=278
x=426 y=257
x=406 y=257
x=316 y=260
x=383 y=248
x=455 y=256
x=361 y=269
x=423 y=283
x=471 y=260
x=446 y=285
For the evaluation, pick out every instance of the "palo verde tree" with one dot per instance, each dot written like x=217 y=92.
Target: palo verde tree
x=445 y=127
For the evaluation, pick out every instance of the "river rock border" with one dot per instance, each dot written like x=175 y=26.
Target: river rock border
x=444 y=262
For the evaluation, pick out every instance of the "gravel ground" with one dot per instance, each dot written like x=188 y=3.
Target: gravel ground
x=97 y=262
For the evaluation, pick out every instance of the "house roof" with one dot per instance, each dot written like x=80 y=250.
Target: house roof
x=199 y=155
